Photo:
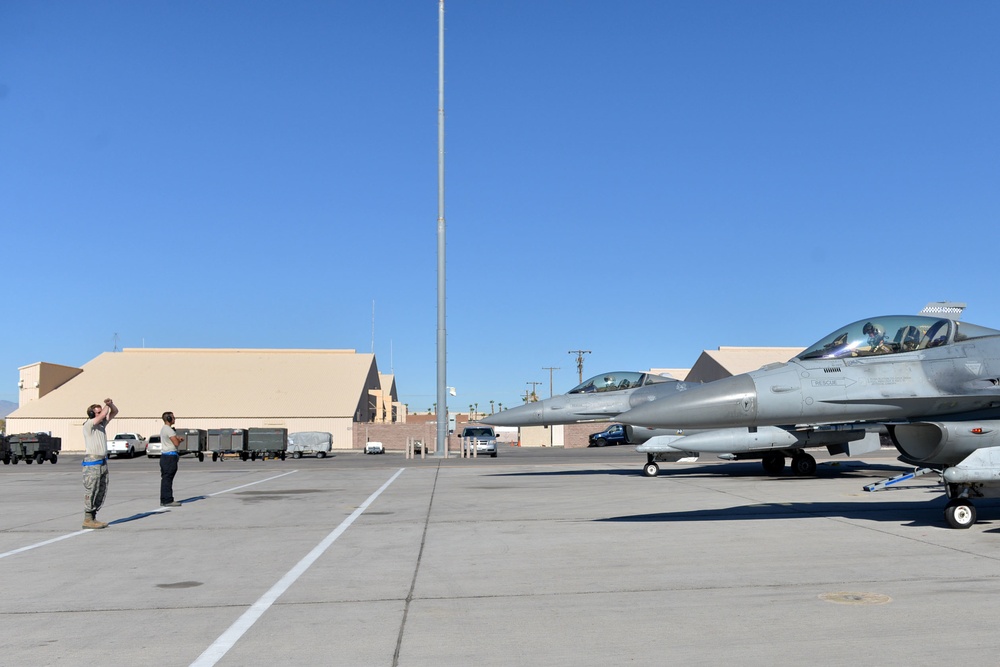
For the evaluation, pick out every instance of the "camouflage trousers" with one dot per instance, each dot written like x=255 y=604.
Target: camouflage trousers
x=95 y=486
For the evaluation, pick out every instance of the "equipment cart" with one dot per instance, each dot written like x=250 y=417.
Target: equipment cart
x=222 y=441
x=267 y=442
x=194 y=442
x=31 y=448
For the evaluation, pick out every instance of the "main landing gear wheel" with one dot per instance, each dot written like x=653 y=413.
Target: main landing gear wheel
x=960 y=513
x=774 y=464
x=651 y=469
x=804 y=465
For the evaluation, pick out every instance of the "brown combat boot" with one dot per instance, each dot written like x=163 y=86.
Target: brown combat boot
x=90 y=521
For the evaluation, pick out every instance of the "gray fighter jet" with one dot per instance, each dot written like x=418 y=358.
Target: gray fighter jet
x=933 y=384
x=599 y=398
x=606 y=396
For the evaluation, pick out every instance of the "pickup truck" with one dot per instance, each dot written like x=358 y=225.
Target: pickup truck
x=127 y=444
x=612 y=435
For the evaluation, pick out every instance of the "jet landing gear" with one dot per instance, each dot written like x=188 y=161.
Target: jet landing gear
x=803 y=465
x=774 y=464
x=650 y=469
x=960 y=513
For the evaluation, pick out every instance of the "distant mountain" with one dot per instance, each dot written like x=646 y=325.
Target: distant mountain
x=6 y=407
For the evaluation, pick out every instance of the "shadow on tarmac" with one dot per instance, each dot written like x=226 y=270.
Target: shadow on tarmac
x=825 y=469
x=134 y=517
x=919 y=514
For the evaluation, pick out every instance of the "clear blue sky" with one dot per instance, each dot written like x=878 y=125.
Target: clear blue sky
x=643 y=179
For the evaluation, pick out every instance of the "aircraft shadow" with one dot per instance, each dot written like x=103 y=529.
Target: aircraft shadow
x=825 y=469
x=929 y=513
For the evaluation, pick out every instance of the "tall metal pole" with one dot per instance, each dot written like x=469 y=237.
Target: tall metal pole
x=442 y=380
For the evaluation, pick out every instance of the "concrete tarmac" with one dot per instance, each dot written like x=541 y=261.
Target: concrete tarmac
x=538 y=557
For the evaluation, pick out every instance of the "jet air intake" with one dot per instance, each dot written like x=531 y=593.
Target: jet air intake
x=943 y=443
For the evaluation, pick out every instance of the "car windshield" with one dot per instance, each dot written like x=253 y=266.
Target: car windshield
x=892 y=335
x=478 y=432
x=123 y=436
x=615 y=381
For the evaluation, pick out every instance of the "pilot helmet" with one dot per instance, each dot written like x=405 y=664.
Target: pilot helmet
x=869 y=329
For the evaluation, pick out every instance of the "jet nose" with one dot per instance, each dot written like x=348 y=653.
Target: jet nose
x=727 y=402
x=528 y=414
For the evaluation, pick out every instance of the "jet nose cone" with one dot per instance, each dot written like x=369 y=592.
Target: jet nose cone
x=727 y=402
x=528 y=414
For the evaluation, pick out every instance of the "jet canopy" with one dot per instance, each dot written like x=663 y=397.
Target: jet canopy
x=893 y=334
x=616 y=381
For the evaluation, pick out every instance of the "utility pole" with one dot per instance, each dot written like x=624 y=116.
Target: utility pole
x=579 y=361
x=442 y=364
x=532 y=397
x=550 y=369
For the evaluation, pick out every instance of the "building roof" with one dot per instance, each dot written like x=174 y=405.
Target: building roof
x=216 y=383
x=676 y=373
x=728 y=361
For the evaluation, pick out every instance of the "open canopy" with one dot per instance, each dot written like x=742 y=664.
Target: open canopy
x=891 y=335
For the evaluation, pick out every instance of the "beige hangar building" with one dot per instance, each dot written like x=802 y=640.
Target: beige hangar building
x=300 y=390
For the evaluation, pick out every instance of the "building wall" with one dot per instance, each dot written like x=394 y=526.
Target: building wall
x=36 y=380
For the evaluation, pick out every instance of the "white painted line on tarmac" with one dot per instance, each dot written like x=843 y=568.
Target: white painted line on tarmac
x=156 y=511
x=42 y=544
x=228 y=639
x=237 y=488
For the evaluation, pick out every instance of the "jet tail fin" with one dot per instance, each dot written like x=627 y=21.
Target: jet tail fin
x=949 y=308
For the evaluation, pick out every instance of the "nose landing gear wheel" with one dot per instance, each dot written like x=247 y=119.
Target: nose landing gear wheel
x=960 y=513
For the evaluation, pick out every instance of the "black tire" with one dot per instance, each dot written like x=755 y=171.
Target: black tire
x=53 y=457
x=244 y=456
x=774 y=464
x=253 y=456
x=13 y=460
x=600 y=442
x=960 y=513
x=651 y=469
x=296 y=455
x=201 y=457
x=215 y=456
x=321 y=455
x=281 y=456
x=804 y=465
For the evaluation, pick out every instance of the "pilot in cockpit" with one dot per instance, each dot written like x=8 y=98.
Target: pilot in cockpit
x=877 y=343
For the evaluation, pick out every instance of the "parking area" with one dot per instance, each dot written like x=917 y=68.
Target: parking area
x=537 y=557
